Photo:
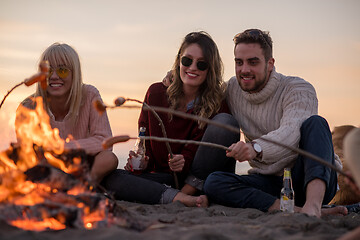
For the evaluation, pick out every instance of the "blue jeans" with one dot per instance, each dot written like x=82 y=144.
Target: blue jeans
x=207 y=159
x=260 y=191
x=148 y=188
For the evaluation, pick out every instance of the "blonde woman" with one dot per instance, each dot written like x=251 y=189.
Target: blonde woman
x=68 y=101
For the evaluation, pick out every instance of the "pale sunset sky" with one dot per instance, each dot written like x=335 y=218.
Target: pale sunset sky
x=125 y=46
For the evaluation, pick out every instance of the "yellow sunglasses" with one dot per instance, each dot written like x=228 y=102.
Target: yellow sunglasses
x=61 y=71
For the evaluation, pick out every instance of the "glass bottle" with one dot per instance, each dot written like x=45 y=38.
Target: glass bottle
x=139 y=150
x=287 y=196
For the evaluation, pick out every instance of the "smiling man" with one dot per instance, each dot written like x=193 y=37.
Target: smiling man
x=267 y=104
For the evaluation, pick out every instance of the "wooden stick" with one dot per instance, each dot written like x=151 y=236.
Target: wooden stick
x=160 y=121
x=17 y=85
x=120 y=101
x=38 y=77
x=237 y=130
x=123 y=138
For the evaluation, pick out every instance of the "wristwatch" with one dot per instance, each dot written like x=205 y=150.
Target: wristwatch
x=257 y=149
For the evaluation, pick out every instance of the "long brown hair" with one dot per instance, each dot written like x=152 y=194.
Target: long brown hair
x=212 y=90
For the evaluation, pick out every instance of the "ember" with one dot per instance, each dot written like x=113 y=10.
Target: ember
x=44 y=187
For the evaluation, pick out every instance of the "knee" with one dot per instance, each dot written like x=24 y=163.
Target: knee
x=314 y=121
x=114 y=161
x=226 y=118
x=108 y=159
x=220 y=133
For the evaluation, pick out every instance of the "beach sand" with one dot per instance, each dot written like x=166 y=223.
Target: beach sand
x=175 y=221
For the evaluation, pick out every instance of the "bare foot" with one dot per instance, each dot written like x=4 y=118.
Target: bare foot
x=191 y=201
x=338 y=211
x=314 y=211
x=311 y=210
x=202 y=201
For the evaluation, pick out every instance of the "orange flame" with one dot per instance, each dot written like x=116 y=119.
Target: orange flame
x=34 y=131
x=34 y=225
x=33 y=127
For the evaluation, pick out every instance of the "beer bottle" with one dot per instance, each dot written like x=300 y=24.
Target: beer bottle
x=287 y=196
x=139 y=150
x=140 y=143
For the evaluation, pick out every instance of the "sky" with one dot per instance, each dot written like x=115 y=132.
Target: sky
x=125 y=46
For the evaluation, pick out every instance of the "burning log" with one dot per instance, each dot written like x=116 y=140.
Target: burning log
x=59 y=208
x=33 y=217
x=43 y=186
x=49 y=195
x=51 y=199
x=51 y=176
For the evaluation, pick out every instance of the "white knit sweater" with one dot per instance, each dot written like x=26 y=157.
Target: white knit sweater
x=276 y=112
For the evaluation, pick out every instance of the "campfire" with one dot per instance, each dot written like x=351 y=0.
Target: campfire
x=42 y=186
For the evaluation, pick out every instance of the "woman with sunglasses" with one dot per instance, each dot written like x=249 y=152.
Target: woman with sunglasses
x=68 y=101
x=197 y=88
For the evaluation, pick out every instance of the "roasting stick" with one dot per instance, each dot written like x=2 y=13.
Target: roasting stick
x=38 y=77
x=123 y=138
x=109 y=142
x=237 y=130
x=120 y=101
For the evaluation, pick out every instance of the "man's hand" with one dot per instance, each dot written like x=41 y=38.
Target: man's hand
x=241 y=151
x=177 y=163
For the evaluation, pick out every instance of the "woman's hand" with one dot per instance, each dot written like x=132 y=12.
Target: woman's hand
x=177 y=163
x=132 y=156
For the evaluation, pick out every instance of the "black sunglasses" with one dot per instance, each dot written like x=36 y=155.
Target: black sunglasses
x=201 y=65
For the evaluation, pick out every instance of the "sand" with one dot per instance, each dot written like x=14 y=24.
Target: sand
x=175 y=221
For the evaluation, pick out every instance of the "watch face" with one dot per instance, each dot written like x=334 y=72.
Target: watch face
x=257 y=148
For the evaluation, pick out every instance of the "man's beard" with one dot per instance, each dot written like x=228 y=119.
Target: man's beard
x=259 y=85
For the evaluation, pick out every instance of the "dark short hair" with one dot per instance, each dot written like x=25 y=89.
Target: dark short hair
x=256 y=36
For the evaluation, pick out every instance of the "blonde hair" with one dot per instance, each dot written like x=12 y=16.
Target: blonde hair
x=61 y=53
x=212 y=91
